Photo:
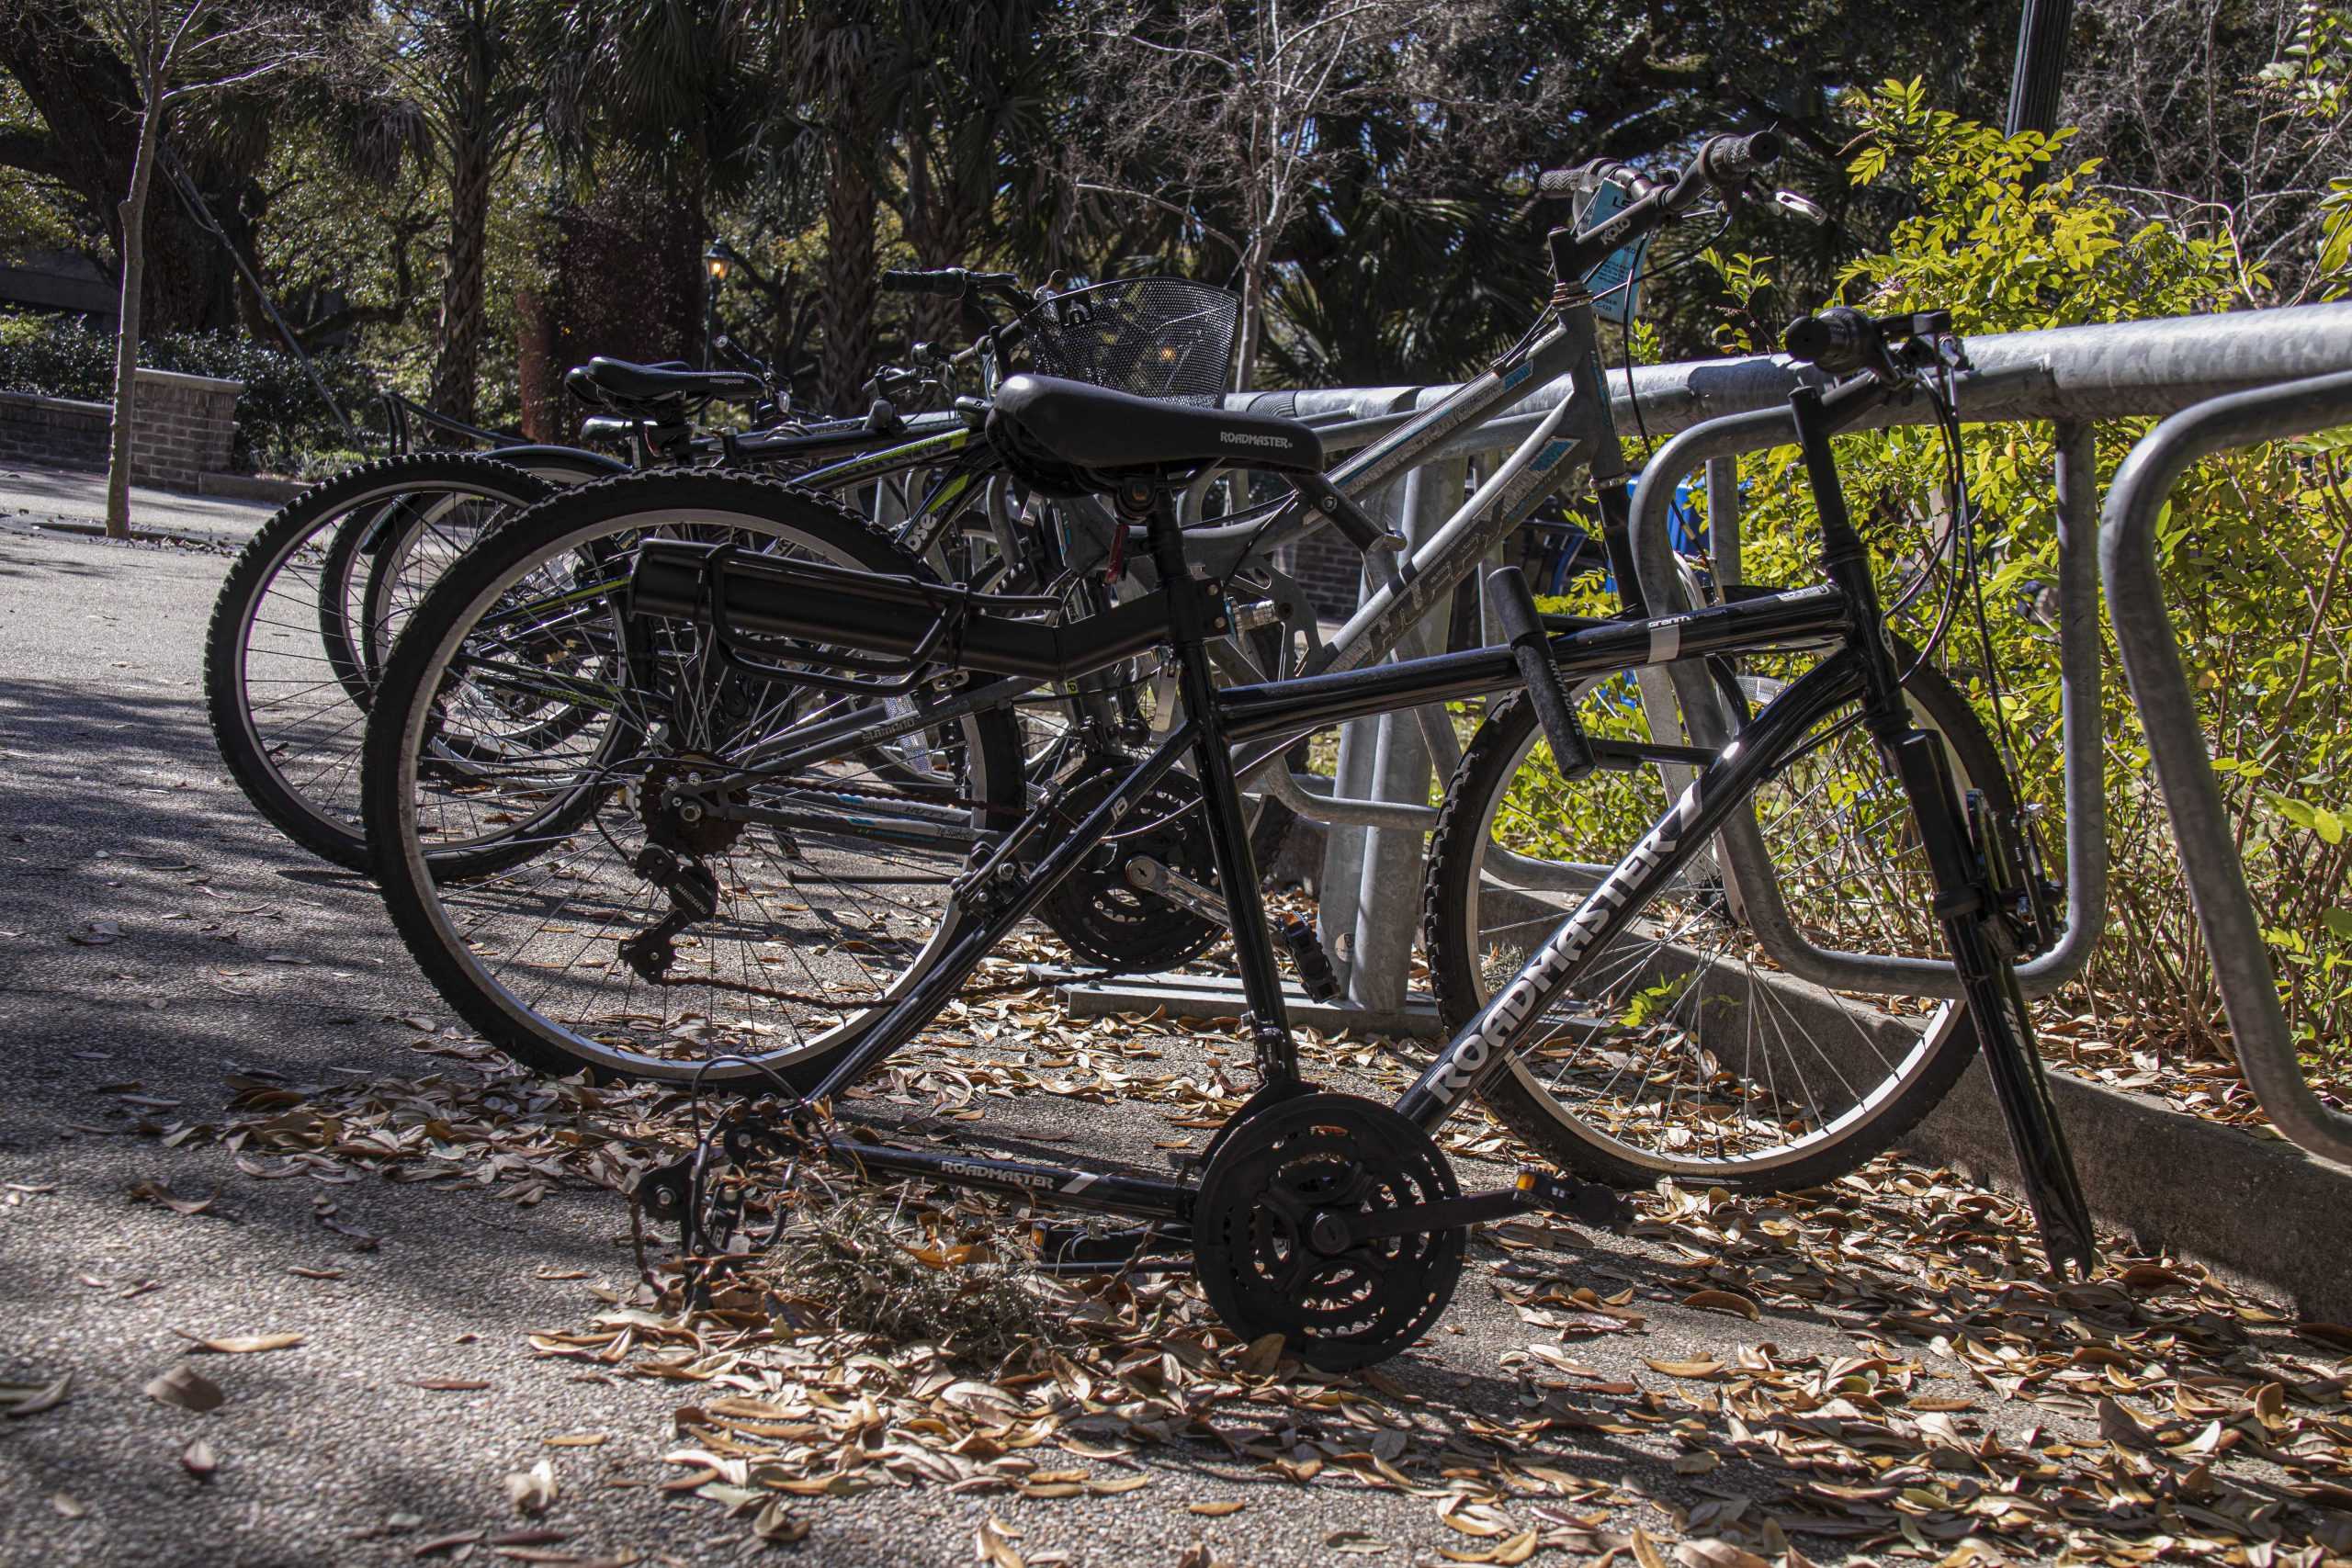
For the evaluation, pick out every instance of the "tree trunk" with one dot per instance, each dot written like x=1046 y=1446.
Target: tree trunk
x=133 y=214
x=88 y=98
x=1253 y=313
x=455 y=373
x=619 y=274
x=849 y=286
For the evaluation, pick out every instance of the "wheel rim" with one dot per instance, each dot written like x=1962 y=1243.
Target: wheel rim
x=300 y=714
x=837 y=918
x=1681 y=1049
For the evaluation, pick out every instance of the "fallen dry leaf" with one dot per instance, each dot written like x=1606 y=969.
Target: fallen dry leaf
x=199 y=1460
x=2335 y=1335
x=1216 y=1511
x=1706 y=1369
x=31 y=1399
x=441 y=1543
x=993 y=1543
x=1723 y=1300
x=187 y=1388
x=239 y=1344
x=452 y=1385
x=67 y=1506
x=532 y=1491
x=158 y=1193
x=1265 y=1354
x=776 y=1522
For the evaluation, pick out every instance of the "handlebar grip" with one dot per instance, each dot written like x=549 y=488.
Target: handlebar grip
x=1515 y=612
x=1837 y=340
x=949 y=280
x=1563 y=182
x=1731 y=160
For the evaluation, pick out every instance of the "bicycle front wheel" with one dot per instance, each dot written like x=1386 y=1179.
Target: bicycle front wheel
x=1680 y=1050
x=731 y=937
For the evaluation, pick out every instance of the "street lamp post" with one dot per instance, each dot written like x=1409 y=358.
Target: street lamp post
x=715 y=259
x=2041 y=67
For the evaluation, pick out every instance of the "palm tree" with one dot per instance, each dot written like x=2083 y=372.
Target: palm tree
x=972 y=85
x=468 y=69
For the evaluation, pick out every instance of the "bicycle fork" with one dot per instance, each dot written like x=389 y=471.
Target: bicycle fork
x=1970 y=882
x=1970 y=886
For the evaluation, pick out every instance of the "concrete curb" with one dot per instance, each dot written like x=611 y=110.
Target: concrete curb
x=2258 y=1211
x=98 y=531
x=2255 y=1209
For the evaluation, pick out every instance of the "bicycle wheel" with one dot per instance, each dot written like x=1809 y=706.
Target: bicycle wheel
x=286 y=682
x=811 y=917
x=415 y=539
x=1680 y=1050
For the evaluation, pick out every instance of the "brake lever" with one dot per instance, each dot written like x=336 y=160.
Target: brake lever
x=1801 y=206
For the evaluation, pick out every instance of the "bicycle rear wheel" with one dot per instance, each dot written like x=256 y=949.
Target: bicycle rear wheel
x=1680 y=1050
x=286 y=682
x=819 y=911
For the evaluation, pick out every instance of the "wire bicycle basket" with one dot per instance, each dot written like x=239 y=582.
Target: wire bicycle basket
x=1158 y=337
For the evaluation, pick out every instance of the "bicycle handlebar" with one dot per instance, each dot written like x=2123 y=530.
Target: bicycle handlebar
x=1843 y=341
x=1729 y=160
x=1837 y=340
x=1725 y=162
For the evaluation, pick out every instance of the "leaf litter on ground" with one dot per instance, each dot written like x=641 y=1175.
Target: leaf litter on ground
x=2168 y=1415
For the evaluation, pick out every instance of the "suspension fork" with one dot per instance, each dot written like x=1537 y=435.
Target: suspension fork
x=1967 y=883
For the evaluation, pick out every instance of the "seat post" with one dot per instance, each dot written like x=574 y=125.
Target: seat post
x=1196 y=612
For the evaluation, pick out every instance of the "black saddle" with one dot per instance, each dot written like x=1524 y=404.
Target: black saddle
x=622 y=384
x=1073 y=438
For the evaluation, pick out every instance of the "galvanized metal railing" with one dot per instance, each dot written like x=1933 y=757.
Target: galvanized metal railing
x=2232 y=369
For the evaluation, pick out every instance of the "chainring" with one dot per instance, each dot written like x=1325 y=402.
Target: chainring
x=1253 y=1217
x=1109 y=923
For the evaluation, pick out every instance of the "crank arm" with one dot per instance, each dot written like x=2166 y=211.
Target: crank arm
x=1148 y=876
x=1586 y=1203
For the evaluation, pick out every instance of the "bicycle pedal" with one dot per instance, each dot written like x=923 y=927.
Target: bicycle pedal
x=1306 y=956
x=1075 y=1249
x=1586 y=1202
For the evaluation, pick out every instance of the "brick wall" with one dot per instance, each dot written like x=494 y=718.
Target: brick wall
x=56 y=430
x=1329 y=569
x=181 y=428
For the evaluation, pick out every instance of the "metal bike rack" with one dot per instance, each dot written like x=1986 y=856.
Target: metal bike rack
x=2072 y=376
x=2152 y=664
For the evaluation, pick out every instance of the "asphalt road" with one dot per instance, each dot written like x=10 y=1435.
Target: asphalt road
x=233 y=950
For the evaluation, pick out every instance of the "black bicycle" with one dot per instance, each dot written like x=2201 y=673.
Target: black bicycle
x=1331 y=1219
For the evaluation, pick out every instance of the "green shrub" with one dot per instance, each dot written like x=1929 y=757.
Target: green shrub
x=2254 y=552
x=281 y=419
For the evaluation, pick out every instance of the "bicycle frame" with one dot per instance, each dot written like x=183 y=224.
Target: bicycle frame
x=869 y=617
x=1578 y=433
x=1217 y=718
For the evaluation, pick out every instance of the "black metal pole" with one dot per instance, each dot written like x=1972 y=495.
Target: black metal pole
x=2041 y=66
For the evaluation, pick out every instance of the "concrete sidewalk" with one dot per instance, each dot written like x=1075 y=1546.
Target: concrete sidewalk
x=74 y=501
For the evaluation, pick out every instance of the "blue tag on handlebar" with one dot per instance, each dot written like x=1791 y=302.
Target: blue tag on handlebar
x=1616 y=294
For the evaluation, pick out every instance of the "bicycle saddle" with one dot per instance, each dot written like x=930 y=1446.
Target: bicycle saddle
x=1072 y=438
x=610 y=383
